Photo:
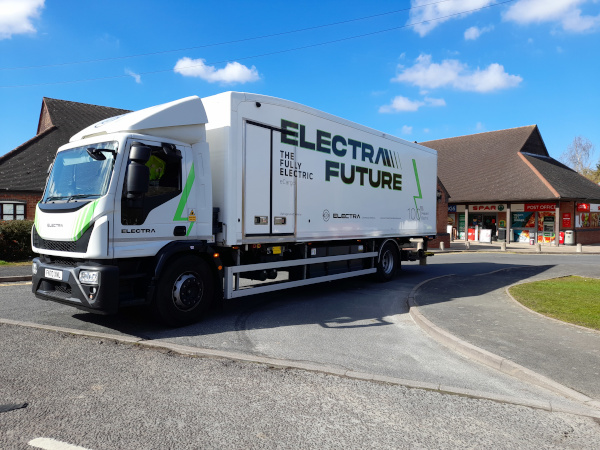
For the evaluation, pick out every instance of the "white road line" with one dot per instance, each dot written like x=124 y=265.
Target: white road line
x=52 y=444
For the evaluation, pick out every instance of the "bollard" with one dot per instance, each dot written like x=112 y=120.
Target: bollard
x=467 y=245
x=539 y=248
x=420 y=245
x=579 y=248
x=503 y=246
x=442 y=246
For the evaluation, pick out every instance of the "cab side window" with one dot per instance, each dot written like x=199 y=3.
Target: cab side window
x=165 y=184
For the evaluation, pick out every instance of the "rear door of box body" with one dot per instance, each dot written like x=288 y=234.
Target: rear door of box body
x=269 y=198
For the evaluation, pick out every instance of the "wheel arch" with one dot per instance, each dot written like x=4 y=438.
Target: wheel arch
x=178 y=249
x=382 y=245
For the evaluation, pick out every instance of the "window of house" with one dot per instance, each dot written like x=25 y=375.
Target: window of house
x=12 y=211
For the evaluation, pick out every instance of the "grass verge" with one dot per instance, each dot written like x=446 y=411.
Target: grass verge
x=18 y=263
x=570 y=299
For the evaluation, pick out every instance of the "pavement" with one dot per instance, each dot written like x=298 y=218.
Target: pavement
x=518 y=247
x=11 y=273
x=477 y=316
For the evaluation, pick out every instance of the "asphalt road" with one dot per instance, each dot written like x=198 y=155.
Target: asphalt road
x=355 y=324
x=97 y=394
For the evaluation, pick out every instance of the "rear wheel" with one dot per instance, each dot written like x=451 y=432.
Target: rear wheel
x=388 y=263
x=185 y=291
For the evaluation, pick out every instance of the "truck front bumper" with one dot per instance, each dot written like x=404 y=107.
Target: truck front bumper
x=60 y=283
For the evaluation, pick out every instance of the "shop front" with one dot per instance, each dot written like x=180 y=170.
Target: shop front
x=588 y=215
x=482 y=222
x=534 y=222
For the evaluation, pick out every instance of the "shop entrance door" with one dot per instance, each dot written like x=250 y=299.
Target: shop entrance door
x=490 y=222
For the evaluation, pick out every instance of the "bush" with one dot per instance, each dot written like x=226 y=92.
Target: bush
x=15 y=240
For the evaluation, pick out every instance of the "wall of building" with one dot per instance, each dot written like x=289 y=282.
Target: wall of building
x=30 y=198
x=441 y=222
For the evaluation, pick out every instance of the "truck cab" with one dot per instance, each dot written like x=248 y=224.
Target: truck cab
x=120 y=197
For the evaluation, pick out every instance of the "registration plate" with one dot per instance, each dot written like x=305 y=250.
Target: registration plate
x=54 y=274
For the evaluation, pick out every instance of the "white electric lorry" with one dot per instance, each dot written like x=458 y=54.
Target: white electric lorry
x=222 y=197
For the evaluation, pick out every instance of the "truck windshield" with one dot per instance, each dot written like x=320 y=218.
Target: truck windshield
x=82 y=172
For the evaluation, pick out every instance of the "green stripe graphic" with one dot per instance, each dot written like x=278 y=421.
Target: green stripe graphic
x=415 y=197
x=183 y=200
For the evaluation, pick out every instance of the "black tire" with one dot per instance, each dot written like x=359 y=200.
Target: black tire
x=388 y=263
x=185 y=291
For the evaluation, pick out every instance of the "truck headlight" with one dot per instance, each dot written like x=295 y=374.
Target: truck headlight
x=34 y=268
x=88 y=277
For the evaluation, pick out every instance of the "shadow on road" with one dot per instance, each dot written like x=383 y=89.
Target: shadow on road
x=475 y=285
x=352 y=303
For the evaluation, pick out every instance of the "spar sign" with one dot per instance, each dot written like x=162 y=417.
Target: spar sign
x=495 y=207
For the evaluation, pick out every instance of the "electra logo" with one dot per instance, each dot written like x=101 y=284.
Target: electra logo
x=139 y=230
x=54 y=225
x=326 y=215
x=346 y=216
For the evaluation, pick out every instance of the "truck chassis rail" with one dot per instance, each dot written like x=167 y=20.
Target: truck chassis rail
x=232 y=287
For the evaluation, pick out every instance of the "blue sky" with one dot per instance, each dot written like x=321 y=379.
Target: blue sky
x=467 y=66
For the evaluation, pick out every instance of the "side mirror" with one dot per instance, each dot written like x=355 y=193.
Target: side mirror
x=138 y=174
x=139 y=153
x=138 y=179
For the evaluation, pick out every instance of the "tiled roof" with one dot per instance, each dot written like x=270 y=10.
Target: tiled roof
x=25 y=167
x=506 y=166
x=565 y=181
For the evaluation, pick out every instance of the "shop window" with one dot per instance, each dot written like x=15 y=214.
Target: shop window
x=589 y=220
x=12 y=211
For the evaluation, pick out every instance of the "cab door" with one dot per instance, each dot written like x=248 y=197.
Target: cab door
x=152 y=220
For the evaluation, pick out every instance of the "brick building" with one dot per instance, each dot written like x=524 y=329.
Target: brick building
x=23 y=171
x=504 y=185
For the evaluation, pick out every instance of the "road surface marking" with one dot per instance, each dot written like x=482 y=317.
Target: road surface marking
x=52 y=444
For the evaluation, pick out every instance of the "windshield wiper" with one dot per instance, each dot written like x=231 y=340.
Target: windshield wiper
x=58 y=197
x=81 y=196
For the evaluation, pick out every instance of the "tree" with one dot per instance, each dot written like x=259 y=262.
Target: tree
x=595 y=174
x=578 y=156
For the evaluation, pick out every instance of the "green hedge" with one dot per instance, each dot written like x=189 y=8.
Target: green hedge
x=15 y=240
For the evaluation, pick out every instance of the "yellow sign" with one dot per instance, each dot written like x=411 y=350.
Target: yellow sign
x=192 y=216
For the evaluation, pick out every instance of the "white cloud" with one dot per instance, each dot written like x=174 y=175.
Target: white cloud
x=137 y=77
x=564 y=12
x=428 y=15
x=403 y=104
x=452 y=73
x=479 y=126
x=232 y=73
x=16 y=16
x=406 y=129
x=435 y=101
x=473 y=33
x=575 y=22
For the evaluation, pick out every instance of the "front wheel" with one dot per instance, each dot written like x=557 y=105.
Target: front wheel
x=185 y=291
x=388 y=263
